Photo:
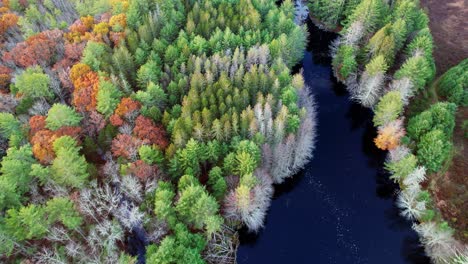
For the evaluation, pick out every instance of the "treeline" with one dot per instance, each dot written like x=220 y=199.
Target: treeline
x=384 y=56
x=167 y=120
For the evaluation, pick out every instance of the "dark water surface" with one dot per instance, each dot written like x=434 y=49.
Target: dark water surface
x=340 y=209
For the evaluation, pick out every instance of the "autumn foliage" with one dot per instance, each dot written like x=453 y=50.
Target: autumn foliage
x=7 y=21
x=142 y=170
x=125 y=146
x=126 y=106
x=389 y=135
x=145 y=128
x=43 y=139
x=86 y=88
x=39 y=49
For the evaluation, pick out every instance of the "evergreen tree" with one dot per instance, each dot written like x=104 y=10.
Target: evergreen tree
x=108 y=97
x=33 y=83
x=69 y=168
x=61 y=115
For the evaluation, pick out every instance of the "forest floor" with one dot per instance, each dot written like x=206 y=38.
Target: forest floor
x=449 y=27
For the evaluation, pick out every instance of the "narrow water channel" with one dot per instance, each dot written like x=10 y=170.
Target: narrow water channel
x=340 y=209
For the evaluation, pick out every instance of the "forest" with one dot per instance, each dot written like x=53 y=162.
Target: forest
x=169 y=123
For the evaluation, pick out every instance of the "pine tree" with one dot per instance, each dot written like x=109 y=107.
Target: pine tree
x=33 y=83
x=69 y=168
x=388 y=109
x=61 y=115
x=108 y=97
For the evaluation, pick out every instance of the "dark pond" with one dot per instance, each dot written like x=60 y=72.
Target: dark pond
x=340 y=209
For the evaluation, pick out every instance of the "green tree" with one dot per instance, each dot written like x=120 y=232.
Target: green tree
x=26 y=222
x=434 y=149
x=370 y=12
x=96 y=55
x=62 y=209
x=10 y=126
x=150 y=155
x=163 y=202
x=217 y=183
x=61 y=115
x=153 y=99
x=33 y=83
x=108 y=97
x=195 y=206
x=454 y=84
x=418 y=70
x=246 y=164
x=328 y=12
x=440 y=116
x=15 y=175
x=345 y=61
x=402 y=168
x=69 y=168
x=182 y=247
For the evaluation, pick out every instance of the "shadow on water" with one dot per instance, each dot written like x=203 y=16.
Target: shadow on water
x=340 y=208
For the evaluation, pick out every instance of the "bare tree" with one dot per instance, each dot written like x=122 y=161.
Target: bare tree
x=222 y=247
x=98 y=203
x=370 y=89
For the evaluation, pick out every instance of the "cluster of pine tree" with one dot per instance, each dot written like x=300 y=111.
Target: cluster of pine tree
x=384 y=56
x=164 y=120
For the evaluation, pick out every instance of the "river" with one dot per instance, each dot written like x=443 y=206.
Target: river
x=341 y=208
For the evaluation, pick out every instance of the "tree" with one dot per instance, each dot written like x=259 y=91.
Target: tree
x=440 y=116
x=371 y=12
x=16 y=178
x=390 y=135
x=196 y=207
x=217 y=183
x=26 y=222
x=145 y=129
x=246 y=164
x=183 y=248
x=62 y=209
x=62 y=115
x=372 y=82
x=33 y=83
x=126 y=146
x=388 y=109
x=150 y=154
x=127 y=106
x=85 y=92
x=96 y=55
x=108 y=97
x=163 y=207
x=9 y=125
x=39 y=49
x=329 y=12
x=402 y=168
x=345 y=61
x=418 y=70
x=454 y=84
x=154 y=96
x=69 y=168
x=434 y=149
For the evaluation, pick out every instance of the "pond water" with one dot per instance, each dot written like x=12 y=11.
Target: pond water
x=340 y=209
